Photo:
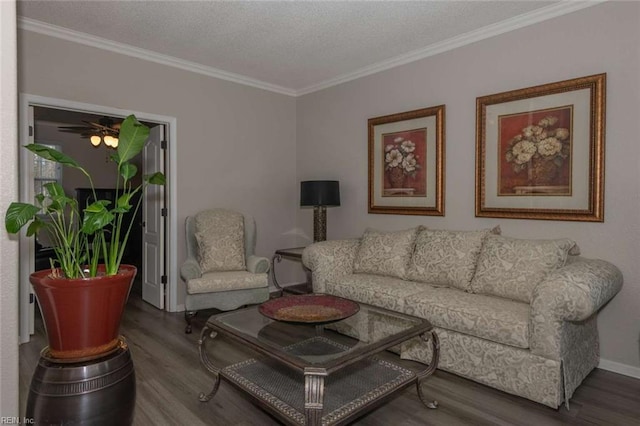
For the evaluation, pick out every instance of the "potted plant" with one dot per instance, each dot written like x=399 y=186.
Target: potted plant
x=82 y=296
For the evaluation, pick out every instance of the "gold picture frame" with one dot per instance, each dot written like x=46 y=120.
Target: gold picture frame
x=406 y=162
x=540 y=152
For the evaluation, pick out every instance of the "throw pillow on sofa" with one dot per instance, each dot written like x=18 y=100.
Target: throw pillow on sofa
x=512 y=268
x=447 y=258
x=385 y=253
x=220 y=237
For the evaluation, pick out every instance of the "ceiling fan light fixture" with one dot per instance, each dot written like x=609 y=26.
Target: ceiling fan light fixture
x=105 y=130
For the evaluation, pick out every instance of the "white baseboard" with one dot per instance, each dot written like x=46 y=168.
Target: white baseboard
x=616 y=367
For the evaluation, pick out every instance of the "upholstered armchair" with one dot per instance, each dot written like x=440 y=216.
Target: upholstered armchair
x=221 y=270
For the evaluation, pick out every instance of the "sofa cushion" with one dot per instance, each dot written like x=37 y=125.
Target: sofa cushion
x=488 y=317
x=512 y=268
x=220 y=237
x=377 y=290
x=226 y=281
x=385 y=253
x=446 y=258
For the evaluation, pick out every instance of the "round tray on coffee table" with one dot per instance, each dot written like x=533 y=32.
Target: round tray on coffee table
x=309 y=308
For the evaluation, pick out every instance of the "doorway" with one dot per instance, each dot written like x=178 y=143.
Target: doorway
x=46 y=116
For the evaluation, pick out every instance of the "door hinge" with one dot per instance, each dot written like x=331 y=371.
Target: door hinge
x=163 y=144
x=30 y=130
x=163 y=279
x=31 y=298
x=163 y=212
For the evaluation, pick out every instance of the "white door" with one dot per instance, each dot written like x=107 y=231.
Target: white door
x=153 y=225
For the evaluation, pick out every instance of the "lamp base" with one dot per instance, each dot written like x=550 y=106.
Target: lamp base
x=319 y=223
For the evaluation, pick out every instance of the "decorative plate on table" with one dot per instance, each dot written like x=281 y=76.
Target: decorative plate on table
x=309 y=308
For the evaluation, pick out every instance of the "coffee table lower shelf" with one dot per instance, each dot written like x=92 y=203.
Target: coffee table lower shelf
x=347 y=393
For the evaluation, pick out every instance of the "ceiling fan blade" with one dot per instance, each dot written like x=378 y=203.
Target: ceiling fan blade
x=105 y=126
x=102 y=127
x=70 y=129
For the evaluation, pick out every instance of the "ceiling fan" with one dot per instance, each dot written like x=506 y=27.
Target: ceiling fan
x=105 y=130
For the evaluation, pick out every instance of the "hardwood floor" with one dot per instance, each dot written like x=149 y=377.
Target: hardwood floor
x=170 y=377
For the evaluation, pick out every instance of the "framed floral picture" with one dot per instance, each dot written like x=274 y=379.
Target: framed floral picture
x=540 y=151
x=406 y=162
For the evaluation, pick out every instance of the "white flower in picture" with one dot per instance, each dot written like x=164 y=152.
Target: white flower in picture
x=539 y=142
x=401 y=153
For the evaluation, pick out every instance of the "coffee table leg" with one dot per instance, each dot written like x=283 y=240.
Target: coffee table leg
x=204 y=335
x=435 y=346
x=313 y=395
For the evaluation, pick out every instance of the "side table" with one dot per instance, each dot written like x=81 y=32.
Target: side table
x=295 y=254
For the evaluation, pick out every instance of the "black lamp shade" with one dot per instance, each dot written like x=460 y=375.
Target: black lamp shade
x=320 y=193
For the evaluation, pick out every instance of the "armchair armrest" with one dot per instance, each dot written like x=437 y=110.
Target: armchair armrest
x=573 y=293
x=329 y=259
x=258 y=265
x=190 y=269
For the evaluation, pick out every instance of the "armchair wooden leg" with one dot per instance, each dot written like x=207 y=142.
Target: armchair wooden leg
x=189 y=316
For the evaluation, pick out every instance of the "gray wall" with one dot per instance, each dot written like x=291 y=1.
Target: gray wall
x=332 y=141
x=235 y=144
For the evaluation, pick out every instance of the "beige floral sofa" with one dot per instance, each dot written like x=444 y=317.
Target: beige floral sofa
x=518 y=315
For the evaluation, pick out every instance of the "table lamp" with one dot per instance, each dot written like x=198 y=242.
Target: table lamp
x=319 y=194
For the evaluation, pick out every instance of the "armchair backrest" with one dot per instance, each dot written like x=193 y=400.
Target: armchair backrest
x=249 y=236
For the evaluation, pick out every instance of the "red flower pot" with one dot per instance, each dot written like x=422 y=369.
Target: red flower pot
x=82 y=315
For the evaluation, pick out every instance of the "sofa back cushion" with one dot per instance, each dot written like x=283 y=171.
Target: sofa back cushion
x=385 y=253
x=446 y=258
x=512 y=268
x=219 y=234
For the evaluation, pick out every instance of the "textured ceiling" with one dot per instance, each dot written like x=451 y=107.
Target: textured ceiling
x=292 y=45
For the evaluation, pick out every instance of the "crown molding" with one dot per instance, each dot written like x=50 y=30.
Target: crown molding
x=144 y=54
x=558 y=9
x=562 y=8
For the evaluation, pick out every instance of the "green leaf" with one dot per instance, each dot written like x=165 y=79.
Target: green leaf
x=128 y=170
x=35 y=226
x=96 y=217
x=54 y=189
x=58 y=198
x=97 y=206
x=53 y=155
x=132 y=138
x=123 y=205
x=18 y=215
x=156 y=178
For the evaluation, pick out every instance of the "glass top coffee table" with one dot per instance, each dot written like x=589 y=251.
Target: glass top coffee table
x=306 y=374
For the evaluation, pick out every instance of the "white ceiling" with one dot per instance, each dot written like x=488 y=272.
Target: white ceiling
x=291 y=47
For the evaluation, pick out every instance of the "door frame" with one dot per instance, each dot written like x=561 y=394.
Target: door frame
x=26 y=193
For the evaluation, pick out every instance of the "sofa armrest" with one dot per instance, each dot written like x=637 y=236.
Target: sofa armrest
x=190 y=269
x=573 y=293
x=258 y=264
x=329 y=259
